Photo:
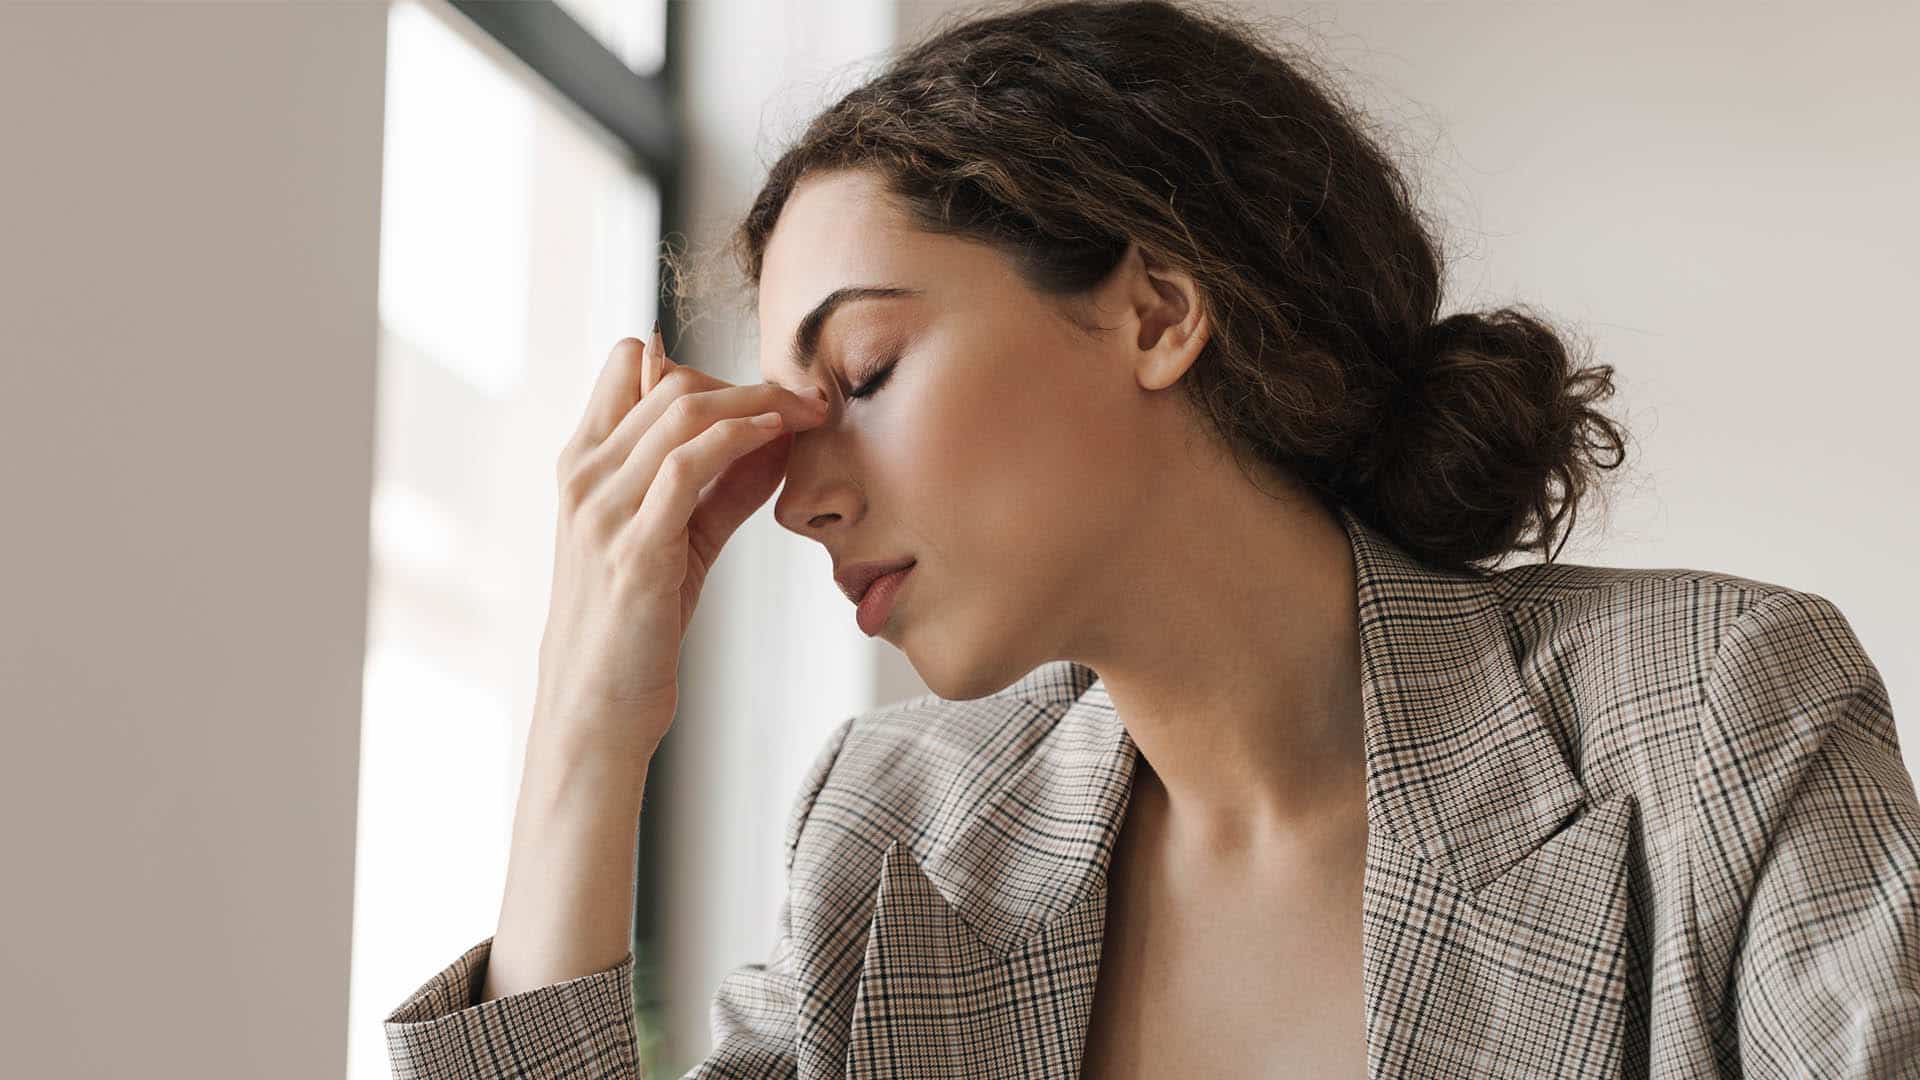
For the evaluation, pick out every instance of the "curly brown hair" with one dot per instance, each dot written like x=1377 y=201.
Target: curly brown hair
x=1059 y=133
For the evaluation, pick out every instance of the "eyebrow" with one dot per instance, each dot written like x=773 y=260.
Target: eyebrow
x=806 y=338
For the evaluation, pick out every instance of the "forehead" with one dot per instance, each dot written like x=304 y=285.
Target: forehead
x=835 y=231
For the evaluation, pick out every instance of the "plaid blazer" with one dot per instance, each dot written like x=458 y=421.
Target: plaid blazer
x=1622 y=822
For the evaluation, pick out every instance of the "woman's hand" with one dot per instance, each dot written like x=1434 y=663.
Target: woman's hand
x=652 y=484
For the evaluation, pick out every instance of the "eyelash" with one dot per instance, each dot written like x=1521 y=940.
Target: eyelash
x=879 y=379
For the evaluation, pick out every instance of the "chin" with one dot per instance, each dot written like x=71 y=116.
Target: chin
x=959 y=675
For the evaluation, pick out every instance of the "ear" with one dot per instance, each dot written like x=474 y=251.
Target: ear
x=1166 y=304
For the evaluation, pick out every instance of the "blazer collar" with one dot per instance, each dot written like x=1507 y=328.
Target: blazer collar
x=1462 y=769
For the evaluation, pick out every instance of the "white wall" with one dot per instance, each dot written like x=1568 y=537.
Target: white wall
x=188 y=227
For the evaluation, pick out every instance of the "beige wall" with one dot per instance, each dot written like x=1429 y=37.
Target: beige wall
x=188 y=232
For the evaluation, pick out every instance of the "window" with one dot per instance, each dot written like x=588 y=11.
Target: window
x=518 y=243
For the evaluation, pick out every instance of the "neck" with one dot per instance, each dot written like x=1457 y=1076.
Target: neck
x=1236 y=671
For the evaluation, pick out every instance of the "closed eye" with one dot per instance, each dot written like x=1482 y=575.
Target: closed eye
x=873 y=384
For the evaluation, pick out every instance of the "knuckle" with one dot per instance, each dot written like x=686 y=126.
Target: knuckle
x=623 y=550
x=575 y=486
x=627 y=350
x=598 y=521
x=629 y=552
x=673 y=469
x=685 y=408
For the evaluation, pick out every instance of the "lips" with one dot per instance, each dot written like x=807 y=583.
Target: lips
x=854 y=580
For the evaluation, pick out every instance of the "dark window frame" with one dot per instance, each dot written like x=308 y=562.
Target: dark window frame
x=639 y=110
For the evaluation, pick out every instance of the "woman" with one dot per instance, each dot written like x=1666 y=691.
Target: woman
x=1237 y=761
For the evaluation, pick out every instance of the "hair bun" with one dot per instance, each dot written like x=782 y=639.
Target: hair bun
x=1431 y=343
x=1490 y=403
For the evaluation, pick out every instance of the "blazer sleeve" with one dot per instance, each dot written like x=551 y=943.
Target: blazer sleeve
x=585 y=1027
x=581 y=1027
x=1808 y=854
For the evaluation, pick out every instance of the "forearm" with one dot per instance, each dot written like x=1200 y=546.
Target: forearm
x=567 y=910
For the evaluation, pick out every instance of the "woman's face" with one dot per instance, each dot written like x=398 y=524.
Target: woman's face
x=1013 y=457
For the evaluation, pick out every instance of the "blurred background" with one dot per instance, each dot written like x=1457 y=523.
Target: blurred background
x=299 y=300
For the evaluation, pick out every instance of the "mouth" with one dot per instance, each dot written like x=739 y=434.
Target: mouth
x=876 y=603
x=856 y=580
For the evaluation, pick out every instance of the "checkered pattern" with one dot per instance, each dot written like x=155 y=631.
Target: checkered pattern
x=1622 y=822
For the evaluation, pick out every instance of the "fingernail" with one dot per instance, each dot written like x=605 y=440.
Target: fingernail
x=816 y=392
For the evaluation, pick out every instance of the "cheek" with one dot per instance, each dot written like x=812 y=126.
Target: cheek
x=996 y=475
x=941 y=444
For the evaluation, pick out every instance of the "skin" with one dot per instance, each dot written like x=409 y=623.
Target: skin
x=1064 y=502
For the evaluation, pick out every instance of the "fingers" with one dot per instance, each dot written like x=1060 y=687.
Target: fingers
x=616 y=400
x=613 y=464
x=672 y=416
x=614 y=394
x=728 y=500
x=632 y=370
x=670 y=499
x=640 y=446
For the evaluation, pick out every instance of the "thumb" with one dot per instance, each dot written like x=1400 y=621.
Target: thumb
x=738 y=491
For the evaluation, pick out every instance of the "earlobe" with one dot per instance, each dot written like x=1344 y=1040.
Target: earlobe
x=1173 y=333
x=1171 y=325
x=1162 y=365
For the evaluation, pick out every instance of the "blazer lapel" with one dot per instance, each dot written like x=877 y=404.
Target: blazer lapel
x=983 y=953
x=1496 y=907
x=1495 y=912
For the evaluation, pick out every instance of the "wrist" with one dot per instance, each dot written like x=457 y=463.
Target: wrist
x=563 y=767
x=597 y=732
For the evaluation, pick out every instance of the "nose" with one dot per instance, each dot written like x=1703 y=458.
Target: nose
x=812 y=525
x=816 y=494
x=805 y=506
